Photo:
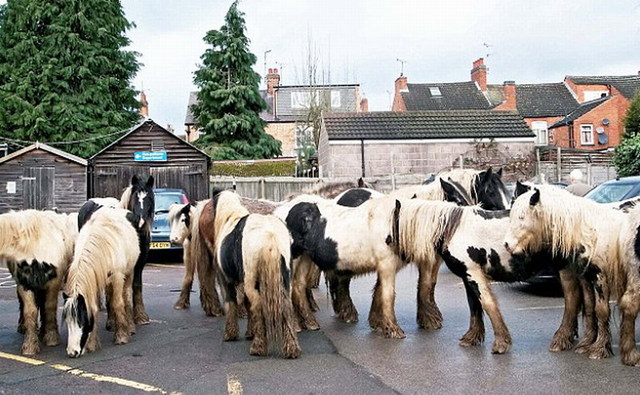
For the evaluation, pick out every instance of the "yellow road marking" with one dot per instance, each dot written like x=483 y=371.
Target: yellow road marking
x=92 y=376
x=234 y=386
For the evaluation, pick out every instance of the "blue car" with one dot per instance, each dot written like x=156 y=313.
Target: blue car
x=164 y=198
x=615 y=190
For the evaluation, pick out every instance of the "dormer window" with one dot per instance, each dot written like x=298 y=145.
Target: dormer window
x=435 y=91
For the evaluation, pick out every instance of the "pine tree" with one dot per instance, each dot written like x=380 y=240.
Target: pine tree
x=64 y=77
x=627 y=155
x=229 y=102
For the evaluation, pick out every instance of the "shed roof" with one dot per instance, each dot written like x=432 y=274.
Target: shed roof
x=47 y=148
x=453 y=96
x=450 y=124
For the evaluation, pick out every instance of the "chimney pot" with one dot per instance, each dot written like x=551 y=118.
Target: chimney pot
x=273 y=80
x=275 y=71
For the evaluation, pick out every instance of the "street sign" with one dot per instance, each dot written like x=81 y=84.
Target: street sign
x=155 y=156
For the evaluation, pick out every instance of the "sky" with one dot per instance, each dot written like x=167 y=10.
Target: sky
x=360 y=41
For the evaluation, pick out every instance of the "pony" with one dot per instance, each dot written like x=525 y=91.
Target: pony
x=254 y=250
x=104 y=258
x=138 y=198
x=38 y=247
x=185 y=230
x=605 y=255
x=374 y=236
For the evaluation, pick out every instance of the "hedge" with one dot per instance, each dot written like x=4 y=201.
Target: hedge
x=254 y=168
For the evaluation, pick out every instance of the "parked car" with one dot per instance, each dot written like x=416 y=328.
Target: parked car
x=615 y=190
x=164 y=198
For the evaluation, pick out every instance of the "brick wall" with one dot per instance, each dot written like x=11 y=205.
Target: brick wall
x=286 y=133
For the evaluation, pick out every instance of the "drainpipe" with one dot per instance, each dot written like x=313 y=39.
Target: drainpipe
x=362 y=156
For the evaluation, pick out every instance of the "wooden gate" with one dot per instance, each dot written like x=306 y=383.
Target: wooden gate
x=38 y=187
x=187 y=178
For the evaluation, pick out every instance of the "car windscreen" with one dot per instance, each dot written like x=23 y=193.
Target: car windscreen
x=165 y=200
x=607 y=193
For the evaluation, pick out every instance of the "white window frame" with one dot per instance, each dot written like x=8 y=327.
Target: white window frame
x=300 y=99
x=435 y=91
x=584 y=128
x=335 y=99
x=541 y=130
x=593 y=95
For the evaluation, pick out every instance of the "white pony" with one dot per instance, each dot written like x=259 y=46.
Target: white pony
x=105 y=255
x=38 y=247
x=601 y=241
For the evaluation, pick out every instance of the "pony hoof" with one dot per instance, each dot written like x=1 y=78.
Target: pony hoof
x=599 y=353
x=30 y=349
x=258 y=348
x=348 y=315
x=394 y=332
x=311 y=325
x=430 y=323
x=181 y=306
x=121 y=339
x=51 y=339
x=560 y=344
x=142 y=319
x=632 y=358
x=472 y=338
x=292 y=351
x=230 y=335
x=501 y=346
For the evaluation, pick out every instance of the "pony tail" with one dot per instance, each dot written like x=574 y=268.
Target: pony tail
x=277 y=310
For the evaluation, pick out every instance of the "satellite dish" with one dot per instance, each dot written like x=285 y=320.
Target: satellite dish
x=603 y=139
x=605 y=121
x=600 y=130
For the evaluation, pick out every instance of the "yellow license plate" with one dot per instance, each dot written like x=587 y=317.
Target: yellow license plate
x=160 y=244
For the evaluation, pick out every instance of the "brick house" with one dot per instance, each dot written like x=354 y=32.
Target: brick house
x=375 y=144
x=556 y=112
x=288 y=108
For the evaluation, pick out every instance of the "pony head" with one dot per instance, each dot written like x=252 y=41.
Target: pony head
x=490 y=191
x=526 y=228
x=80 y=323
x=454 y=192
x=179 y=219
x=141 y=201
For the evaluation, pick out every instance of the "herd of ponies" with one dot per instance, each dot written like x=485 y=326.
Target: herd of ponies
x=265 y=257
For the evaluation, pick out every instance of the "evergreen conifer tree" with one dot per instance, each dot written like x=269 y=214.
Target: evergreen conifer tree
x=229 y=101
x=64 y=76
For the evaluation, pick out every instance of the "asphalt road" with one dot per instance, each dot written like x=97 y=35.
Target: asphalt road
x=183 y=351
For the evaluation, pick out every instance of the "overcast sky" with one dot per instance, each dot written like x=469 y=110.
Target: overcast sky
x=360 y=40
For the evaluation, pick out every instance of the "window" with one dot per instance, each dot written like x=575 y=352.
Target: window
x=541 y=132
x=435 y=91
x=302 y=99
x=592 y=95
x=586 y=134
x=157 y=145
x=335 y=99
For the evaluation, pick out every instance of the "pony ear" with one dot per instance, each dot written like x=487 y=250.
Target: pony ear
x=186 y=209
x=499 y=172
x=134 y=180
x=149 y=183
x=415 y=196
x=360 y=183
x=520 y=189
x=451 y=194
x=535 y=198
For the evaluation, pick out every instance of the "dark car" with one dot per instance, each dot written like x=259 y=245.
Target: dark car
x=164 y=198
x=615 y=190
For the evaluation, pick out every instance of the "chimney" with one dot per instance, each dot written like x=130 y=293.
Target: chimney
x=509 y=89
x=364 y=105
x=144 y=105
x=398 y=103
x=273 y=80
x=479 y=74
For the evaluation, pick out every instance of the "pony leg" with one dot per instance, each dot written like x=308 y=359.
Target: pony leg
x=49 y=312
x=250 y=333
x=340 y=296
x=629 y=306
x=93 y=341
x=314 y=282
x=476 y=332
x=208 y=295
x=429 y=315
x=21 y=328
x=299 y=294
x=568 y=330
x=121 y=335
x=375 y=312
x=140 y=315
x=243 y=311
x=128 y=304
x=478 y=283
x=30 y=344
x=590 y=321
x=185 y=292
x=389 y=325
x=601 y=348
x=259 y=343
x=231 y=330
x=108 y=296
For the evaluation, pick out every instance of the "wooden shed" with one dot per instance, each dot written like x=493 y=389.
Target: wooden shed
x=149 y=149
x=42 y=177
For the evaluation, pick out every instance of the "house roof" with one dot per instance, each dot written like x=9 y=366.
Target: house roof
x=450 y=124
x=580 y=111
x=495 y=94
x=544 y=100
x=150 y=122
x=453 y=96
x=266 y=115
x=47 y=148
x=628 y=85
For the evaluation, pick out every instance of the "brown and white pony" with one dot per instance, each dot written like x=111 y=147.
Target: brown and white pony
x=254 y=250
x=38 y=247
x=604 y=244
x=105 y=255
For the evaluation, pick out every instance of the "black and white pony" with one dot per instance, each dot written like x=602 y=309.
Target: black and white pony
x=254 y=250
x=38 y=247
x=105 y=255
x=605 y=248
x=140 y=200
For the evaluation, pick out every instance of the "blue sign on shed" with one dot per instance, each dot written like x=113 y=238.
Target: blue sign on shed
x=155 y=156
